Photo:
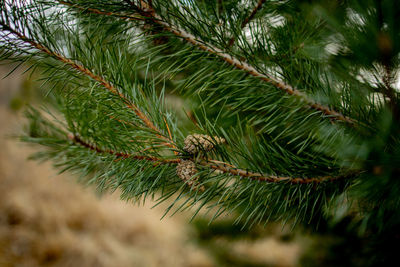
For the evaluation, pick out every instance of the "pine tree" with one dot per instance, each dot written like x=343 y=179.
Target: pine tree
x=268 y=110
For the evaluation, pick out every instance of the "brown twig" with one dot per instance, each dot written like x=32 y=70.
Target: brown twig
x=166 y=124
x=213 y=164
x=390 y=92
x=156 y=19
x=121 y=121
x=227 y=168
x=76 y=139
x=152 y=147
x=169 y=133
x=248 y=19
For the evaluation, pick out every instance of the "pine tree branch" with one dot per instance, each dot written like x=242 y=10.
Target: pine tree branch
x=248 y=19
x=213 y=164
x=77 y=140
x=227 y=168
x=151 y=16
x=251 y=70
x=82 y=69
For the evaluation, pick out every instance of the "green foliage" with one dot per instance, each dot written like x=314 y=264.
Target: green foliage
x=101 y=59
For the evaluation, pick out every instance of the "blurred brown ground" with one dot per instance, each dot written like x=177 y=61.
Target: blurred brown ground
x=49 y=220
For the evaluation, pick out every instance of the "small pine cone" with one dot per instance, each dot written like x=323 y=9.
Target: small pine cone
x=201 y=142
x=185 y=170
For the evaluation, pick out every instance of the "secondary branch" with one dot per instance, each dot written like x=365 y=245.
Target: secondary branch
x=149 y=14
x=248 y=19
x=390 y=92
x=212 y=164
x=76 y=139
x=82 y=69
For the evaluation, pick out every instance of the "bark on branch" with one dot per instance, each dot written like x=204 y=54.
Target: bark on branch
x=213 y=164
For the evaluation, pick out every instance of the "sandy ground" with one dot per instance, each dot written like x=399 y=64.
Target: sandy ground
x=49 y=220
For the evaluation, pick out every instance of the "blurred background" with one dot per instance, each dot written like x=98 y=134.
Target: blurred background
x=48 y=219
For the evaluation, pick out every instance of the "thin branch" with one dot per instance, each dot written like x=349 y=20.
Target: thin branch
x=153 y=17
x=169 y=133
x=219 y=7
x=248 y=19
x=76 y=139
x=213 y=164
x=227 y=168
x=125 y=123
x=252 y=71
x=95 y=77
x=100 y=12
x=390 y=92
